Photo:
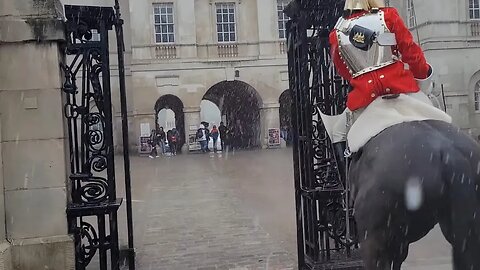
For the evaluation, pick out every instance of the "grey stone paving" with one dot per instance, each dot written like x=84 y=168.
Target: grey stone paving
x=195 y=222
x=232 y=211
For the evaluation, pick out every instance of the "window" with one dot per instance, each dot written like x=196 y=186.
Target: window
x=474 y=9
x=476 y=96
x=410 y=13
x=164 y=26
x=282 y=18
x=226 y=28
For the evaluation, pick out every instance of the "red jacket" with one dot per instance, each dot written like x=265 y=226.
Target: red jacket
x=392 y=79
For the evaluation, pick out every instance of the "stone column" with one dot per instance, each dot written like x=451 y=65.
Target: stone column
x=192 y=122
x=271 y=119
x=5 y=253
x=32 y=138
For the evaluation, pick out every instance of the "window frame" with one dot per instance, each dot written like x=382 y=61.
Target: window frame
x=216 y=23
x=282 y=20
x=155 y=24
x=476 y=97
x=473 y=9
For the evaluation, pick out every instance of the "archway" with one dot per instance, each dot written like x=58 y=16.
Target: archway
x=172 y=103
x=285 y=110
x=239 y=104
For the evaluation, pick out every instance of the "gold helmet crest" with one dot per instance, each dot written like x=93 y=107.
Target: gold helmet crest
x=363 y=4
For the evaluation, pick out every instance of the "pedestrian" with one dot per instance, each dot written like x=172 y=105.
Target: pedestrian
x=207 y=134
x=238 y=136
x=289 y=135
x=175 y=138
x=153 y=144
x=202 y=138
x=169 y=140
x=222 y=129
x=161 y=136
x=215 y=134
x=283 y=133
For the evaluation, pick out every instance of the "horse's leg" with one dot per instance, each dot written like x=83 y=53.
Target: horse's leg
x=463 y=228
x=374 y=251
x=381 y=253
x=466 y=240
x=374 y=234
x=400 y=256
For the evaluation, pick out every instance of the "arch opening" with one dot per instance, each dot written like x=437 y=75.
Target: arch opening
x=166 y=119
x=164 y=108
x=239 y=105
x=285 y=110
x=211 y=114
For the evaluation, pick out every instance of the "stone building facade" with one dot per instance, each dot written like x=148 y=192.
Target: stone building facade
x=178 y=55
x=33 y=171
x=184 y=51
x=449 y=33
x=174 y=57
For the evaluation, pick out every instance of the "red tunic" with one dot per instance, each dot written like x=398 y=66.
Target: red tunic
x=393 y=79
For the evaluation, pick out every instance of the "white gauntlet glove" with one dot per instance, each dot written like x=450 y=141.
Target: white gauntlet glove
x=426 y=85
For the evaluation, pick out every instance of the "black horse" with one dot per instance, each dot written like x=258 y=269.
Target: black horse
x=440 y=165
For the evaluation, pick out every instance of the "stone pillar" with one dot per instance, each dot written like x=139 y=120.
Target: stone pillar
x=271 y=119
x=32 y=138
x=5 y=252
x=192 y=122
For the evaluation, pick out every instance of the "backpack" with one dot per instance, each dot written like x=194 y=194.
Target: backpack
x=174 y=138
x=199 y=133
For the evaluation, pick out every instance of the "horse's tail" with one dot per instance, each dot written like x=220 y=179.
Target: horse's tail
x=464 y=200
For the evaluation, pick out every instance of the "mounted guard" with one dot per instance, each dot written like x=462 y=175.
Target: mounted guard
x=390 y=78
x=410 y=167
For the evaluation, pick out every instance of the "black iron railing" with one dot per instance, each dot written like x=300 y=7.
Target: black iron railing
x=93 y=205
x=325 y=224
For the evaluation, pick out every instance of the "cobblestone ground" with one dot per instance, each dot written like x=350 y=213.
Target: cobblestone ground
x=196 y=220
x=228 y=211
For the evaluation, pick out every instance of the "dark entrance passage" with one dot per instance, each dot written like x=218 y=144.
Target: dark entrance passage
x=239 y=104
x=176 y=105
x=285 y=110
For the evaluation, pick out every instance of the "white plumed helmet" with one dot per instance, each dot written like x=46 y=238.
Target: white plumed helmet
x=363 y=4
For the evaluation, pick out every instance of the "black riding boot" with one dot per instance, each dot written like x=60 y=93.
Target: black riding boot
x=339 y=151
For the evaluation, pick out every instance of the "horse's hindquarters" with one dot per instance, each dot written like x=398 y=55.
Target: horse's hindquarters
x=402 y=182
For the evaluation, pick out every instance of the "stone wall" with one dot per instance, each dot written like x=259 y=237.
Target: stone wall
x=451 y=42
x=32 y=138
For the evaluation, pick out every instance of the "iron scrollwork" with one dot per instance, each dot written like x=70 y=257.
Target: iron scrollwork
x=89 y=240
x=90 y=132
x=325 y=222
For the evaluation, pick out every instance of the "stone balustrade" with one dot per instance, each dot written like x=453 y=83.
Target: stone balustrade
x=211 y=51
x=165 y=51
x=475 y=29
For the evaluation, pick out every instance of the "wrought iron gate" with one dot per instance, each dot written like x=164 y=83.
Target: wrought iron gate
x=325 y=224
x=93 y=203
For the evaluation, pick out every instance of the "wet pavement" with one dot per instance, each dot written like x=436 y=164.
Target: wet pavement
x=228 y=211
